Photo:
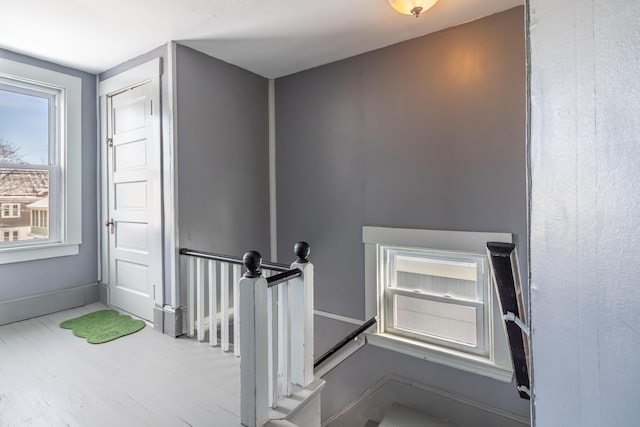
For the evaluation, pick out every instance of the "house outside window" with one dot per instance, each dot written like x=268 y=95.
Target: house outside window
x=39 y=217
x=10 y=210
x=40 y=162
x=432 y=293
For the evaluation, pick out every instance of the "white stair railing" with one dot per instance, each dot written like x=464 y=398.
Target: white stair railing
x=276 y=321
x=213 y=297
x=268 y=313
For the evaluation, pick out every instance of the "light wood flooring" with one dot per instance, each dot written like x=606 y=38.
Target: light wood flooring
x=48 y=377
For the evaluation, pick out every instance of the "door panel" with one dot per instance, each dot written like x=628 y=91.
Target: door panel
x=135 y=240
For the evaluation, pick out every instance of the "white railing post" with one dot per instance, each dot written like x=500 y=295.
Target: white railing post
x=301 y=306
x=237 y=271
x=254 y=370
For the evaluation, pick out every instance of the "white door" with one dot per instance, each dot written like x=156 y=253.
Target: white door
x=134 y=187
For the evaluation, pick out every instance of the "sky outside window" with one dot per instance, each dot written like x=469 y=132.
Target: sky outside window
x=24 y=123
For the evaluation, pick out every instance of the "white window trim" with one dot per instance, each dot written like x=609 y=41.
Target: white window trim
x=498 y=363
x=12 y=211
x=70 y=163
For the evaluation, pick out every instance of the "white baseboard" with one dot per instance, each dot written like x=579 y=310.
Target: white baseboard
x=42 y=304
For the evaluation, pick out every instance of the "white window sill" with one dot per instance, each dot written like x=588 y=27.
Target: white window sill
x=448 y=357
x=35 y=252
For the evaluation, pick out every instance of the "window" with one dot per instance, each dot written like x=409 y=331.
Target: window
x=432 y=293
x=437 y=297
x=40 y=170
x=10 y=210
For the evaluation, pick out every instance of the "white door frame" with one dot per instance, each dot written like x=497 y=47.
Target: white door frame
x=147 y=72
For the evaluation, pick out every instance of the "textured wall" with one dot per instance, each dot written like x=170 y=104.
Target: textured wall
x=584 y=211
x=30 y=278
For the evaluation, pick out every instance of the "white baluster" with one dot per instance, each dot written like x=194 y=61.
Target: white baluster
x=190 y=296
x=213 y=309
x=236 y=310
x=284 y=341
x=224 y=306
x=272 y=339
x=200 y=298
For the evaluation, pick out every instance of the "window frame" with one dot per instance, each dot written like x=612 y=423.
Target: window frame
x=8 y=210
x=495 y=362
x=65 y=198
x=387 y=292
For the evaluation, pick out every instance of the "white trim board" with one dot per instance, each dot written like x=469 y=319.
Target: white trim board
x=52 y=302
x=170 y=180
x=338 y=317
x=273 y=222
x=134 y=76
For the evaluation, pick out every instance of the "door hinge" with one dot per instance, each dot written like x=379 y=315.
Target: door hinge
x=110 y=142
x=151 y=106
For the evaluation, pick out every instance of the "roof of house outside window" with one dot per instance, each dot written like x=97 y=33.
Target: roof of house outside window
x=20 y=184
x=40 y=204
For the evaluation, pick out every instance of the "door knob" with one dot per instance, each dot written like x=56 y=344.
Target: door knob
x=109 y=223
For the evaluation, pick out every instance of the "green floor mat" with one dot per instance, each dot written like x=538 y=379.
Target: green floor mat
x=102 y=326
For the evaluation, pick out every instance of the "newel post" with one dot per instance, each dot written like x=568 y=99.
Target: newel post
x=253 y=342
x=301 y=289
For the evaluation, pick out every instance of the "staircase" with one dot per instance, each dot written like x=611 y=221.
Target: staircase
x=403 y=416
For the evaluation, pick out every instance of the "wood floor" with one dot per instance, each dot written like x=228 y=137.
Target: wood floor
x=48 y=377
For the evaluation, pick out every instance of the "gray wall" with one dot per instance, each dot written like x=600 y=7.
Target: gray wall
x=31 y=278
x=223 y=148
x=429 y=133
x=585 y=243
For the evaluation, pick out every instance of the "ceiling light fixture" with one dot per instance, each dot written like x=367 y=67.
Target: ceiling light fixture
x=412 y=7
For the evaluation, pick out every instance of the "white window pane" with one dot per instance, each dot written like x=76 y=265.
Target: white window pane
x=436 y=285
x=436 y=276
x=446 y=321
x=24 y=128
x=31 y=188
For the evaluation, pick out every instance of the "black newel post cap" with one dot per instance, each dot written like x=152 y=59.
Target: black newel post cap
x=302 y=251
x=252 y=261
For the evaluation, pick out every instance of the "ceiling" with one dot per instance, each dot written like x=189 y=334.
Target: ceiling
x=272 y=38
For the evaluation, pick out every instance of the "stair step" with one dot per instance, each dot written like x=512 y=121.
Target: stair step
x=402 y=416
